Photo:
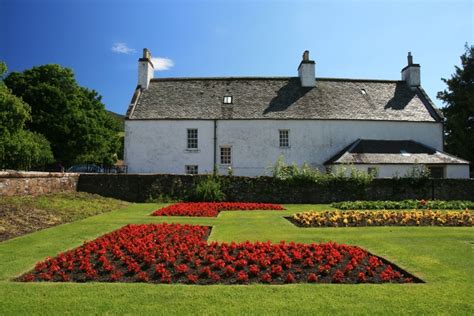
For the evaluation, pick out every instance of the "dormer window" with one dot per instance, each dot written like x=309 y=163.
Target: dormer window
x=227 y=99
x=405 y=153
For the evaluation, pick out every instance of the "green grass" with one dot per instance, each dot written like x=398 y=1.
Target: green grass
x=441 y=256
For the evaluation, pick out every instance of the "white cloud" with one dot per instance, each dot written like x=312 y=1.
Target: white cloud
x=122 y=48
x=162 y=63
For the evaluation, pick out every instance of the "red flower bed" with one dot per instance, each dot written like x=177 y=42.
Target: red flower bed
x=211 y=209
x=174 y=253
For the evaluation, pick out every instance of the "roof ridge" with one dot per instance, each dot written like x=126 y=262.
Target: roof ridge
x=272 y=78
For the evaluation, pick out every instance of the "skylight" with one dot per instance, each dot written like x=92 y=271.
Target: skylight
x=363 y=91
x=227 y=100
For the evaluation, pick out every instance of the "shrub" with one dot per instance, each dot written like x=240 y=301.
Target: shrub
x=404 y=205
x=209 y=190
x=306 y=174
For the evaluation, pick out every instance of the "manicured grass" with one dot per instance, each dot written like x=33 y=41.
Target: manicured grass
x=441 y=256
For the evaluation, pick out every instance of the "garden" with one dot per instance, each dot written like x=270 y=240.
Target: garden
x=244 y=257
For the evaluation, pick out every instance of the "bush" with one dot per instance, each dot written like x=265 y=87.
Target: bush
x=306 y=174
x=404 y=205
x=209 y=189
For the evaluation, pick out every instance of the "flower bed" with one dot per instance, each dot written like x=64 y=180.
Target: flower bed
x=211 y=209
x=174 y=253
x=382 y=218
x=404 y=205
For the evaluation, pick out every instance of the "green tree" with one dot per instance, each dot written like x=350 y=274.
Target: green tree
x=459 y=109
x=72 y=118
x=19 y=149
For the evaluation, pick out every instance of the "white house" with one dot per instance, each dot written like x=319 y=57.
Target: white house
x=190 y=125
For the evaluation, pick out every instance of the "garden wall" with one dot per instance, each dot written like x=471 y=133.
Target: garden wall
x=141 y=187
x=36 y=183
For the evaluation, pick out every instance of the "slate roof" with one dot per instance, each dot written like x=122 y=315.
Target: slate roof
x=281 y=98
x=369 y=151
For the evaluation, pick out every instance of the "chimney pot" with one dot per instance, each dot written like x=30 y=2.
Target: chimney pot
x=410 y=58
x=306 y=55
x=146 y=53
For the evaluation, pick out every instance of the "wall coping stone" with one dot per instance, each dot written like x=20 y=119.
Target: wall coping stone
x=36 y=174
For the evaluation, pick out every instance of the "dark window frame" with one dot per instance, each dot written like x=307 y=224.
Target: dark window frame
x=191 y=169
x=225 y=158
x=284 y=138
x=192 y=138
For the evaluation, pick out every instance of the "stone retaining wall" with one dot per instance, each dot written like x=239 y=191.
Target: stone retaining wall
x=141 y=187
x=36 y=183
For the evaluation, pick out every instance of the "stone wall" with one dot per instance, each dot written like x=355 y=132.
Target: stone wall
x=36 y=183
x=141 y=187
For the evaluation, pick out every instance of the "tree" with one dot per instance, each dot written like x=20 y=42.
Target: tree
x=72 y=118
x=19 y=149
x=459 y=110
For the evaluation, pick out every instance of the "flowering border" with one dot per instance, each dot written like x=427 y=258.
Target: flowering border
x=381 y=218
x=174 y=253
x=212 y=209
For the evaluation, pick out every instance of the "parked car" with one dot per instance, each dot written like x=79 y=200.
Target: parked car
x=86 y=168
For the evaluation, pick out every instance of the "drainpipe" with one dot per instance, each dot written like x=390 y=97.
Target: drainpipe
x=215 y=146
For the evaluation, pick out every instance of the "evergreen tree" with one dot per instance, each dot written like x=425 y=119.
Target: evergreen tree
x=459 y=110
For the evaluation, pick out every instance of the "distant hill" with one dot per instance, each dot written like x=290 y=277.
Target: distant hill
x=119 y=118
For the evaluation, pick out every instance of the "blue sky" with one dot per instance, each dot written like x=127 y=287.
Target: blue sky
x=102 y=40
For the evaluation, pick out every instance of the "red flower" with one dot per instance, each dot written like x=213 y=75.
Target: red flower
x=312 y=278
x=242 y=277
x=142 y=277
x=290 y=278
x=192 y=278
x=254 y=270
x=338 y=277
x=229 y=270
x=182 y=268
x=266 y=278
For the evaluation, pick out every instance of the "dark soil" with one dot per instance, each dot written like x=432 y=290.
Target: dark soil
x=17 y=221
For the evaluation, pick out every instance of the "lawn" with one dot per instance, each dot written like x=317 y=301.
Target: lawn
x=442 y=256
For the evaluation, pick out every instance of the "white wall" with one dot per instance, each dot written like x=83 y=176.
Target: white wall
x=160 y=146
x=457 y=171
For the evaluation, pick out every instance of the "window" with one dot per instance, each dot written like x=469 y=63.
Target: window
x=284 y=138
x=373 y=171
x=226 y=155
x=191 y=169
x=192 y=138
x=436 y=172
x=227 y=100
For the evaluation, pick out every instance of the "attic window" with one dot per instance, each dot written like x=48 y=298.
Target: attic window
x=227 y=100
x=405 y=153
x=363 y=91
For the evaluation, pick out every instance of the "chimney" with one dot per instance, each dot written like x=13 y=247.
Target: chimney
x=306 y=71
x=411 y=73
x=145 y=69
